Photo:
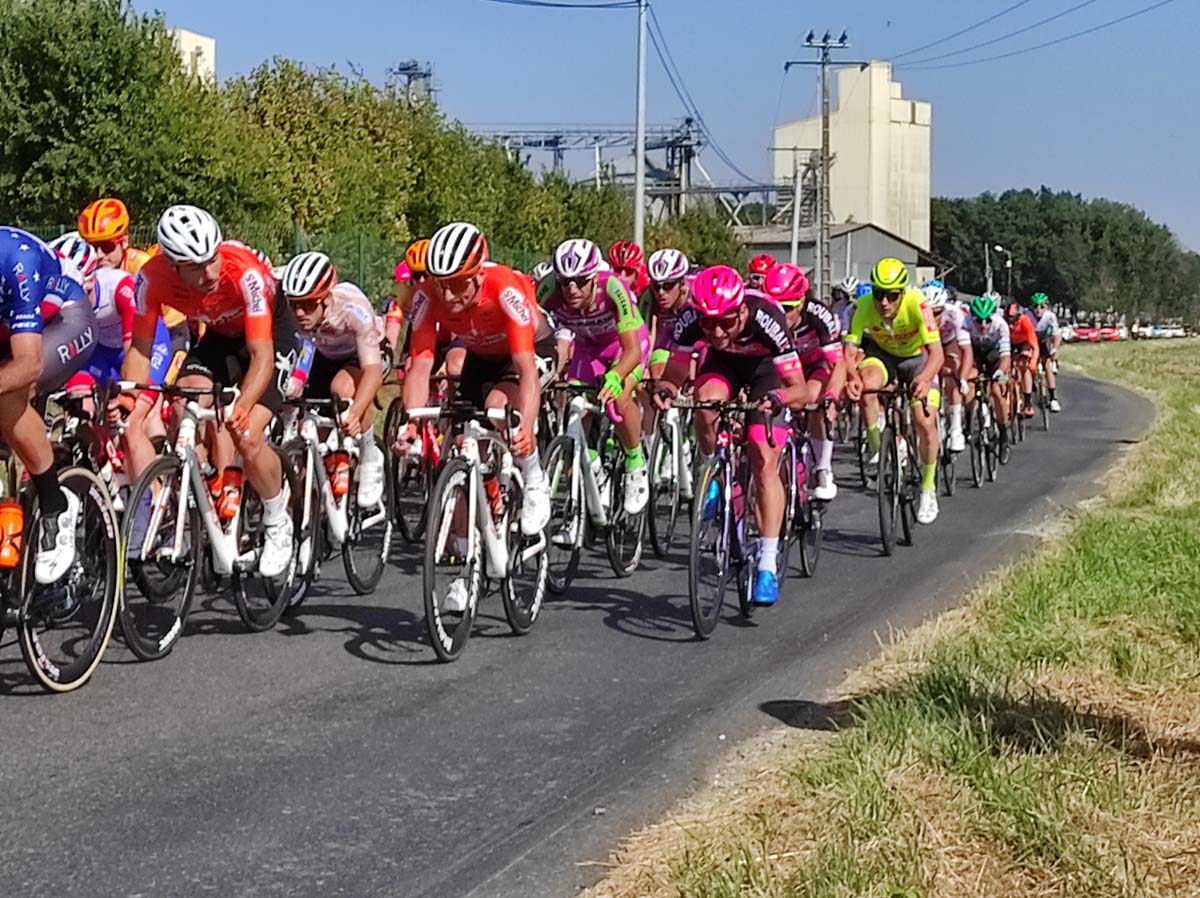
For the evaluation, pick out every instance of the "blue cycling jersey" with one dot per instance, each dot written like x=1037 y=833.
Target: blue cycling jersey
x=30 y=275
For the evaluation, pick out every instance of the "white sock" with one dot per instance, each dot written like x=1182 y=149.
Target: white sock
x=531 y=469
x=956 y=412
x=768 y=551
x=275 y=508
x=368 y=447
x=824 y=452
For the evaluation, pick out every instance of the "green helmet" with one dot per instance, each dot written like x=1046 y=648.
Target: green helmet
x=1039 y=299
x=983 y=307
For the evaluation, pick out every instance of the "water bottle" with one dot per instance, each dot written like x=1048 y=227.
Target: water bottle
x=600 y=475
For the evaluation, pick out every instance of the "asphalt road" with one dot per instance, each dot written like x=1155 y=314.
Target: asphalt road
x=335 y=756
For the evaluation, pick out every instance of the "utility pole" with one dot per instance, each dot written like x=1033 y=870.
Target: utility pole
x=639 y=177
x=824 y=45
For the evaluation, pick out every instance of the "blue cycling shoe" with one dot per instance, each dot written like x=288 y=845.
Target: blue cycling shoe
x=766 y=588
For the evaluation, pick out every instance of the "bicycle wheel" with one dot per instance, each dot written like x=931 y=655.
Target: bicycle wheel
x=887 y=489
x=863 y=452
x=995 y=453
x=449 y=564
x=1043 y=400
x=523 y=590
x=664 y=493
x=710 y=562
x=159 y=589
x=409 y=476
x=910 y=490
x=810 y=517
x=568 y=514
x=368 y=537
x=789 y=461
x=65 y=626
x=976 y=438
x=624 y=538
x=260 y=600
x=309 y=537
x=946 y=465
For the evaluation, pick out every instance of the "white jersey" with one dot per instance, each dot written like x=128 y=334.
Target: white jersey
x=1046 y=324
x=114 y=306
x=350 y=327
x=952 y=326
x=989 y=336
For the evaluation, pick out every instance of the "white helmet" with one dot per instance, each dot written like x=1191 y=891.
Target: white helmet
x=74 y=248
x=308 y=276
x=667 y=265
x=188 y=234
x=541 y=270
x=577 y=258
x=456 y=250
x=935 y=295
x=848 y=285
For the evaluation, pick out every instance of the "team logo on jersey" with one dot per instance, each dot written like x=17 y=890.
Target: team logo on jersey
x=515 y=306
x=255 y=293
x=772 y=328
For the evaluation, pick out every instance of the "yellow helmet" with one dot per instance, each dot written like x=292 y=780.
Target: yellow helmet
x=889 y=274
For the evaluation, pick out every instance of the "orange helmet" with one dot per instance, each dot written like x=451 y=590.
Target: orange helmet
x=105 y=219
x=417 y=256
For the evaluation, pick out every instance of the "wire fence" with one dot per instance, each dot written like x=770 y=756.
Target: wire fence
x=366 y=259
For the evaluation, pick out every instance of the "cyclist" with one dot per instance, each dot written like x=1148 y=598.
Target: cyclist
x=629 y=264
x=338 y=318
x=818 y=342
x=992 y=355
x=664 y=301
x=956 y=347
x=611 y=347
x=105 y=225
x=34 y=284
x=1024 y=339
x=507 y=340
x=759 y=266
x=229 y=290
x=844 y=293
x=750 y=347
x=1049 y=340
x=892 y=337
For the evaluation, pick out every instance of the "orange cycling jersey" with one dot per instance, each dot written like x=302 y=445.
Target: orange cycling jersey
x=505 y=319
x=1023 y=333
x=241 y=304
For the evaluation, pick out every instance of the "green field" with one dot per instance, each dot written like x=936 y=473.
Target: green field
x=1045 y=740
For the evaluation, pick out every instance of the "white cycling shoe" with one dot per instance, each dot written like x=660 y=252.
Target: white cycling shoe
x=370 y=478
x=535 y=510
x=1055 y=406
x=958 y=442
x=637 y=490
x=826 y=489
x=456 y=598
x=927 y=509
x=277 y=548
x=56 y=549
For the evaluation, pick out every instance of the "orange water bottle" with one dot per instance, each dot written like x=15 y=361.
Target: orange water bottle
x=12 y=525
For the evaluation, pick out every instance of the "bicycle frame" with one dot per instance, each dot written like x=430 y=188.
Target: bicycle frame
x=576 y=409
x=670 y=421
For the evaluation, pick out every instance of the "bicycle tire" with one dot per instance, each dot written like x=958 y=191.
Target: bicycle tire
x=309 y=537
x=910 y=491
x=563 y=475
x=48 y=611
x=811 y=519
x=260 y=613
x=863 y=451
x=705 y=615
x=887 y=489
x=1043 y=402
x=624 y=538
x=522 y=600
x=947 y=471
x=976 y=438
x=152 y=632
x=790 y=530
x=663 y=515
x=409 y=479
x=449 y=638
x=996 y=453
x=365 y=552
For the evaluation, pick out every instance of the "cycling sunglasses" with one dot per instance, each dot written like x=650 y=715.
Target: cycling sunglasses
x=579 y=282
x=726 y=323
x=106 y=246
x=664 y=286
x=888 y=295
x=457 y=285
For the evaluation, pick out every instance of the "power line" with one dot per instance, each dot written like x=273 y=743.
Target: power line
x=1059 y=40
x=950 y=37
x=1003 y=37
x=659 y=42
x=558 y=4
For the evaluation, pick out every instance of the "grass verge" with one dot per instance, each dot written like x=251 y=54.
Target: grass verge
x=1043 y=740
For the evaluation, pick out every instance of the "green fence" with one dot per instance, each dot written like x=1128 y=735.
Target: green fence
x=366 y=259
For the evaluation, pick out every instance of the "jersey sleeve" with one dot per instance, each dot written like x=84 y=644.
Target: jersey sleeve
x=859 y=322
x=628 y=316
x=687 y=331
x=257 y=296
x=927 y=329
x=26 y=287
x=423 y=322
x=1004 y=344
x=773 y=331
x=520 y=316
x=147 y=305
x=123 y=298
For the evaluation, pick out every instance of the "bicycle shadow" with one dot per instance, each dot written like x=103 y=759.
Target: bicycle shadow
x=852 y=544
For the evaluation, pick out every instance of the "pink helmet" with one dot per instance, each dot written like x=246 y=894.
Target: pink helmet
x=786 y=284
x=403 y=273
x=718 y=291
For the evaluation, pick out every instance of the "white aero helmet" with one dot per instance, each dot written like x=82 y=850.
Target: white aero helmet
x=667 y=265
x=72 y=247
x=188 y=234
x=578 y=258
x=540 y=270
x=935 y=295
x=308 y=276
x=456 y=250
x=848 y=285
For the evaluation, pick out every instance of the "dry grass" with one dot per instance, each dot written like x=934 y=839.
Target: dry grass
x=1042 y=740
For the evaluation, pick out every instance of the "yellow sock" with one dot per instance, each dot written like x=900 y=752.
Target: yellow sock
x=873 y=437
x=929 y=478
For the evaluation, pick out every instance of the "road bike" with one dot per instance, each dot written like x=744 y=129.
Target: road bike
x=983 y=432
x=172 y=528
x=474 y=537
x=672 y=480
x=803 y=521
x=898 y=477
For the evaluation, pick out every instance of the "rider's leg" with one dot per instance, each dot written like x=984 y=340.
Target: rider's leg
x=261 y=464
x=874 y=377
x=928 y=442
x=24 y=430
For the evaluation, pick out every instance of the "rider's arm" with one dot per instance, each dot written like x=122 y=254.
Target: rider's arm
x=529 y=388
x=147 y=307
x=260 y=341
x=629 y=328
x=422 y=344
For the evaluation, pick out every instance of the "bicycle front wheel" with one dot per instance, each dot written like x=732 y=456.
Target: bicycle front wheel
x=65 y=626
x=524 y=587
x=409 y=478
x=451 y=570
x=162 y=560
x=664 y=493
x=261 y=600
x=308 y=538
x=624 y=538
x=710 y=562
x=368 y=537
x=568 y=516
x=887 y=490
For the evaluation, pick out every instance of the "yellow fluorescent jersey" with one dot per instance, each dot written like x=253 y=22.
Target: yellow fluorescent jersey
x=910 y=331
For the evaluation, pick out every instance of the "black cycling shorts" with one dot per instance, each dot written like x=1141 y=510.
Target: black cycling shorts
x=480 y=374
x=225 y=360
x=754 y=374
x=898 y=368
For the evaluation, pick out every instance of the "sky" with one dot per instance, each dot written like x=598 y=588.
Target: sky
x=1109 y=114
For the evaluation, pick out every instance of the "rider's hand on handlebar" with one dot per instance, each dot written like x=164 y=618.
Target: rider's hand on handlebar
x=772 y=403
x=665 y=395
x=1000 y=377
x=521 y=441
x=854 y=388
x=237 y=421
x=920 y=389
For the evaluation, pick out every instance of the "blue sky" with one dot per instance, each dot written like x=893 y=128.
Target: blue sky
x=1110 y=114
